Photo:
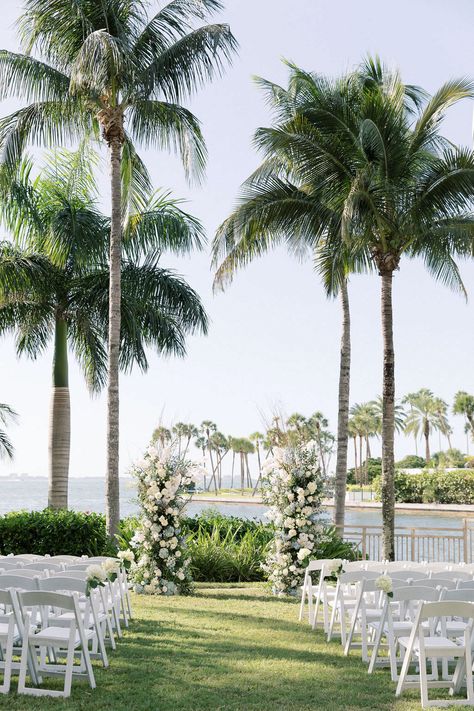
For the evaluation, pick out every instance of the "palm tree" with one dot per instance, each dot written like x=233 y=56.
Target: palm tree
x=464 y=405
x=55 y=284
x=279 y=203
x=365 y=423
x=257 y=438
x=162 y=435
x=110 y=68
x=7 y=415
x=427 y=414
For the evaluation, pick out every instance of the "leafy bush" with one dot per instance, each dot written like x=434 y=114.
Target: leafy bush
x=451 y=458
x=374 y=468
x=442 y=487
x=411 y=461
x=53 y=532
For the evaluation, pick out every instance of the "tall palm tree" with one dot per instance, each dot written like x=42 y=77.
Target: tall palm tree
x=427 y=414
x=55 y=284
x=366 y=423
x=464 y=405
x=280 y=204
x=114 y=69
x=370 y=162
x=162 y=435
x=7 y=415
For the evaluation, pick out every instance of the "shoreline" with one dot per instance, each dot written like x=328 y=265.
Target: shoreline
x=453 y=509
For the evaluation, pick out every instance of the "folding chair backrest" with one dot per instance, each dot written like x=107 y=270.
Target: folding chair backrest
x=415 y=592
x=351 y=565
x=46 y=599
x=447 y=608
x=436 y=583
x=56 y=567
x=403 y=574
x=21 y=572
x=445 y=575
x=78 y=566
x=6 y=597
x=466 y=585
x=417 y=573
x=61 y=584
x=75 y=574
x=7 y=565
x=25 y=557
x=312 y=565
x=62 y=559
x=378 y=566
x=461 y=575
x=19 y=582
x=356 y=576
x=466 y=595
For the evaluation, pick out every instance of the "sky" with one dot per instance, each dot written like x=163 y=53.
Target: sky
x=274 y=337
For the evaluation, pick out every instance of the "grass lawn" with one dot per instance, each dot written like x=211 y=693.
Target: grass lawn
x=226 y=647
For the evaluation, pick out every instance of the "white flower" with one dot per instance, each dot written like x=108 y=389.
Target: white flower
x=291 y=533
x=96 y=572
x=163 y=520
x=334 y=565
x=180 y=575
x=303 y=553
x=384 y=582
x=311 y=487
x=111 y=566
x=126 y=555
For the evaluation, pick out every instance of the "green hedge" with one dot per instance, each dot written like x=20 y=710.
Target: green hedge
x=441 y=487
x=53 y=532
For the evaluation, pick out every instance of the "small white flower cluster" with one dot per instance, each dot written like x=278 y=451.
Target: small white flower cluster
x=384 y=583
x=162 y=562
x=334 y=566
x=293 y=488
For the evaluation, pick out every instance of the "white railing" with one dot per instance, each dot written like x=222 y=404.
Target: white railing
x=451 y=545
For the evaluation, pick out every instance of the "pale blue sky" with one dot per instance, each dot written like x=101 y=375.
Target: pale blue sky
x=274 y=338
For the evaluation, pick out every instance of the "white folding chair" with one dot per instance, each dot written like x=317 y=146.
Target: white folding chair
x=9 y=635
x=44 y=566
x=396 y=620
x=345 y=600
x=72 y=639
x=92 y=618
x=420 y=647
x=310 y=588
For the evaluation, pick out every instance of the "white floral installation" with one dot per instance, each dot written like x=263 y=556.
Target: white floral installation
x=293 y=488
x=161 y=565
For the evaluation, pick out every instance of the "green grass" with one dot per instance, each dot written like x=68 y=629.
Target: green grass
x=231 y=647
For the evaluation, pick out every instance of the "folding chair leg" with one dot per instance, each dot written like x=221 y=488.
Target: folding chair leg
x=7 y=671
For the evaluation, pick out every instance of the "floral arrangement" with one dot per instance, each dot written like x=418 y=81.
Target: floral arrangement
x=96 y=577
x=384 y=583
x=334 y=567
x=161 y=564
x=111 y=568
x=126 y=558
x=293 y=489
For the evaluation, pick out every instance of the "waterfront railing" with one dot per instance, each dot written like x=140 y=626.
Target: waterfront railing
x=450 y=545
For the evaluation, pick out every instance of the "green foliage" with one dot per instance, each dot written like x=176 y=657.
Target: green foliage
x=452 y=458
x=411 y=461
x=441 y=487
x=374 y=469
x=53 y=532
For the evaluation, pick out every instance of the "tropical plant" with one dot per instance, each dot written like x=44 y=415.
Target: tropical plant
x=7 y=415
x=54 y=284
x=411 y=461
x=464 y=405
x=110 y=68
x=281 y=202
x=396 y=187
x=427 y=414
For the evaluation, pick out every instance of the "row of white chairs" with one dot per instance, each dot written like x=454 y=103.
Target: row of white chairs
x=428 y=616
x=46 y=614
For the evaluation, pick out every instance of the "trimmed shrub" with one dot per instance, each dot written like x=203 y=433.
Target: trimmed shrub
x=53 y=532
x=411 y=461
x=374 y=469
x=439 y=486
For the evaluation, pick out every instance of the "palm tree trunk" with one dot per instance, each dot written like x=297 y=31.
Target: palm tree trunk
x=343 y=414
x=388 y=421
x=59 y=422
x=426 y=432
x=361 y=459
x=112 y=495
x=356 y=468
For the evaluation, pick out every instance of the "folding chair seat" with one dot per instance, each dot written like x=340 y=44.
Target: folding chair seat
x=52 y=639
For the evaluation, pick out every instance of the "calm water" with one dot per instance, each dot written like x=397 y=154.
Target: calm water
x=88 y=495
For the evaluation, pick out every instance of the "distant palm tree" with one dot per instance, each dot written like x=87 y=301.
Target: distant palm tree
x=427 y=414
x=109 y=67
x=257 y=438
x=464 y=405
x=7 y=415
x=162 y=435
x=55 y=285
